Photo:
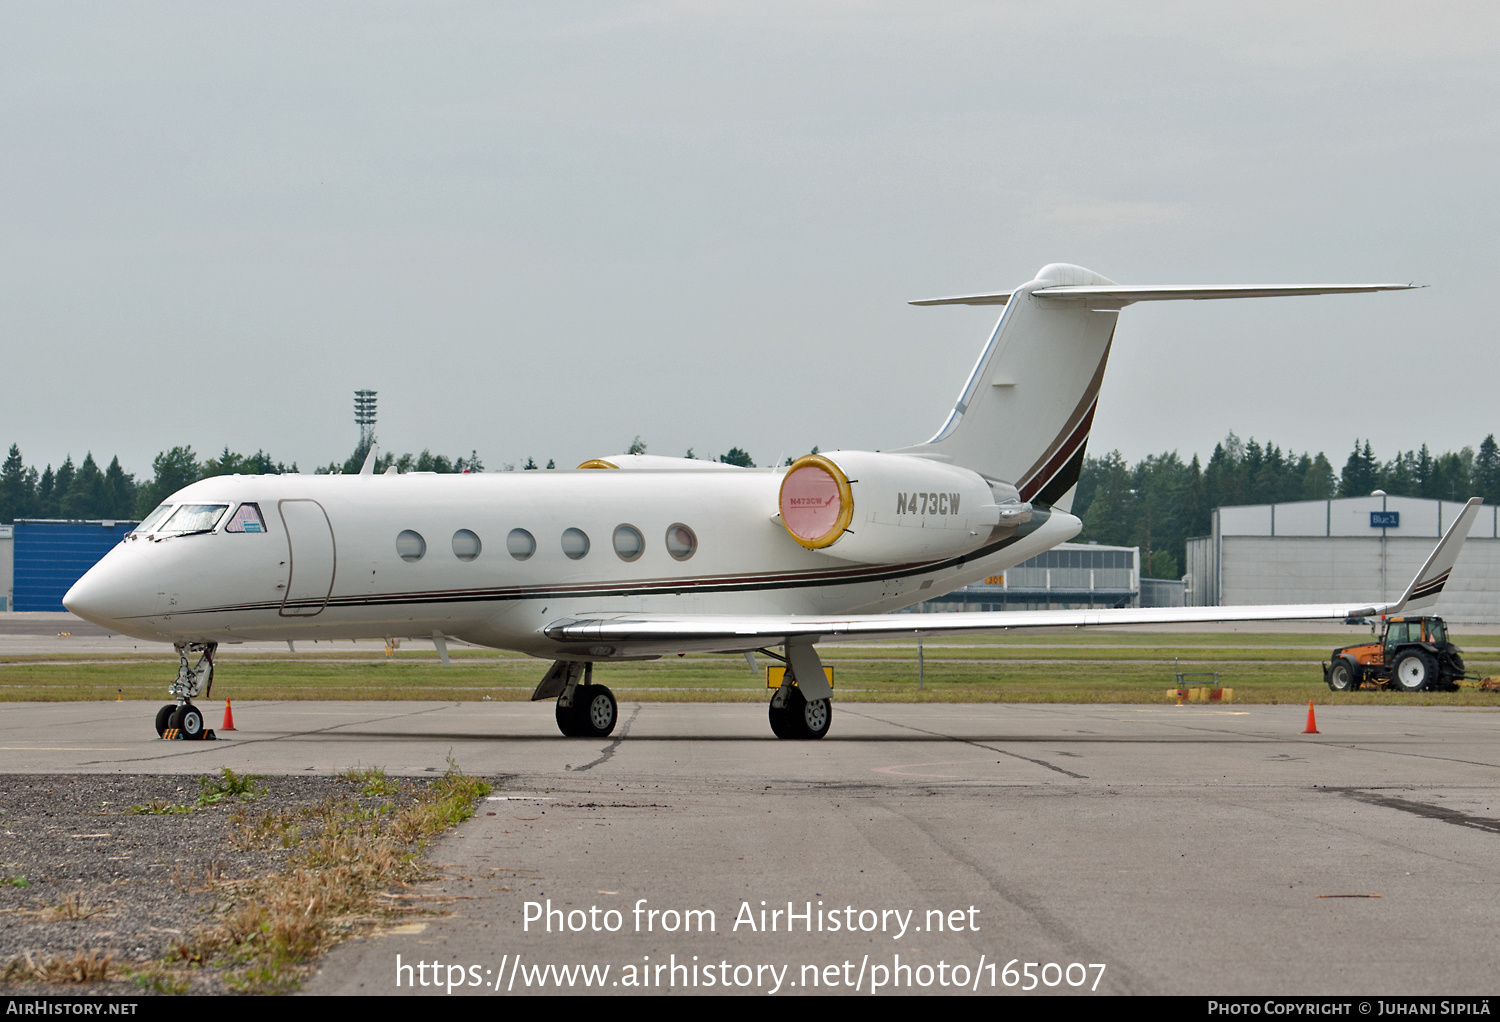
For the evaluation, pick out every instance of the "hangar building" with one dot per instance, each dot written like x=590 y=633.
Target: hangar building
x=1070 y=575
x=50 y=555
x=1348 y=549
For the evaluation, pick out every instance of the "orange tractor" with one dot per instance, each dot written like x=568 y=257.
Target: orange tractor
x=1412 y=654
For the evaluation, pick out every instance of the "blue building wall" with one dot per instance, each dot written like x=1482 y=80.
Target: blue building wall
x=51 y=555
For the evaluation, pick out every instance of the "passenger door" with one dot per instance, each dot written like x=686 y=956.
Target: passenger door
x=312 y=557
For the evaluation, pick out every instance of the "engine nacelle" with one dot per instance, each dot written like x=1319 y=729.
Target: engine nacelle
x=890 y=508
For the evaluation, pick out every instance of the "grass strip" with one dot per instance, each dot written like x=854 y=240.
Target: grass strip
x=344 y=856
x=985 y=672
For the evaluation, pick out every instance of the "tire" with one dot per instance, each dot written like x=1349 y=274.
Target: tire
x=1413 y=671
x=800 y=719
x=188 y=719
x=596 y=713
x=593 y=714
x=1452 y=673
x=781 y=725
x=567 y=720
x=164 y=718
x=1343 y=675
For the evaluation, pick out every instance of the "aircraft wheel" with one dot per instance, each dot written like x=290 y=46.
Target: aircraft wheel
x=597 y=712
x=1342 y=676
x=1413 y=671
x=593 y=714
x=164 y=718
x=800 y=718
x=189 y=720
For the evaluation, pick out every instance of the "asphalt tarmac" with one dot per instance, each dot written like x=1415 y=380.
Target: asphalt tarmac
x=1206 y=850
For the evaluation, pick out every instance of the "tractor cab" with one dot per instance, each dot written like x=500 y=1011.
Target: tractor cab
x=1401 y=631
x=1410 y=654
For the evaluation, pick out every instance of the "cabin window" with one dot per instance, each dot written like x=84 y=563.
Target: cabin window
x=466 y=545
x=520 y=543
x=681 y=542
x=629 y=543
x=246 y=518
x=410 y=545
x=192 y=518
x=575 y=543
x=153 y=519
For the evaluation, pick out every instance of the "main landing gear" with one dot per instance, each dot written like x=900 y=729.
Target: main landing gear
x=584 y=710
x=182 y=719
x=795 y=713
x=794 y=716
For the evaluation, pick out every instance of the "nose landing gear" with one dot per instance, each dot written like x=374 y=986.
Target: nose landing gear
x=182 y=719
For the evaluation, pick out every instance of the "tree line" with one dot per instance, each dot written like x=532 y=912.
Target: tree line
x=84 y=491
x=1161 y=501
x=87 y=492
x=1156 y=504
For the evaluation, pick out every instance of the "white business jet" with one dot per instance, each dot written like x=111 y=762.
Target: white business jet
x=634 y=557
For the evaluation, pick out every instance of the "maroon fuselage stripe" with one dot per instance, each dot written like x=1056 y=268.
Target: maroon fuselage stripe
x=707 y=583
x=1080 y=434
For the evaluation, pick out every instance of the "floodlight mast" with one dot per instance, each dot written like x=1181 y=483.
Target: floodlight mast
x=364 y=417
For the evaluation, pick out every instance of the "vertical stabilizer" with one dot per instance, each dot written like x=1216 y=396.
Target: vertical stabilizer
x=1025 y=413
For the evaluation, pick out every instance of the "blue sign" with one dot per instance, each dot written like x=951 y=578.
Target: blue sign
x=1385 y=519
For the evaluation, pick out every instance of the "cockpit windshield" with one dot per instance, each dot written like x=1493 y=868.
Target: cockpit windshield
x=153 y=519
x=191 y=518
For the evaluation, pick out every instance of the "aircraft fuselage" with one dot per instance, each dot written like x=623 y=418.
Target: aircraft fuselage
x=348 y=557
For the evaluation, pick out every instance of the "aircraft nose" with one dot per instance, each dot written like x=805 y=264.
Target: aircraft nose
x=109 y=593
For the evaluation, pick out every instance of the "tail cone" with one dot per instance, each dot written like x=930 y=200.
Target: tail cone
x=229 y=718
x=1312 y=722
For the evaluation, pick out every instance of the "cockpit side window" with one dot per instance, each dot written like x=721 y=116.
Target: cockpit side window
x=153 y=519
x=191 y=518
x=246 y=518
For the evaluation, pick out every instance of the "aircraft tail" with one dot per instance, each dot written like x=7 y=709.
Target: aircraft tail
x=1025 y=412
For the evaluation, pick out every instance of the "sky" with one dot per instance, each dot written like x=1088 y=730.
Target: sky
x=541 y=230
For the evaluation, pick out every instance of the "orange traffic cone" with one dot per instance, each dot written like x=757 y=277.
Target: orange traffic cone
x=228 y=718
x=1312 y=722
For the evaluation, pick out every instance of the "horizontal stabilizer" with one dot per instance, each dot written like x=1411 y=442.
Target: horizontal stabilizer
x=997 y=298
x=1167 y=292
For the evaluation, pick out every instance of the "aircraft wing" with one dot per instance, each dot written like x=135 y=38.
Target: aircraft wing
x=646 y=634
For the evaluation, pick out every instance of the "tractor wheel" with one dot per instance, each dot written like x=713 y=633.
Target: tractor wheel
x=1343 y=675
x=1413 y=671
x=1455 y=672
